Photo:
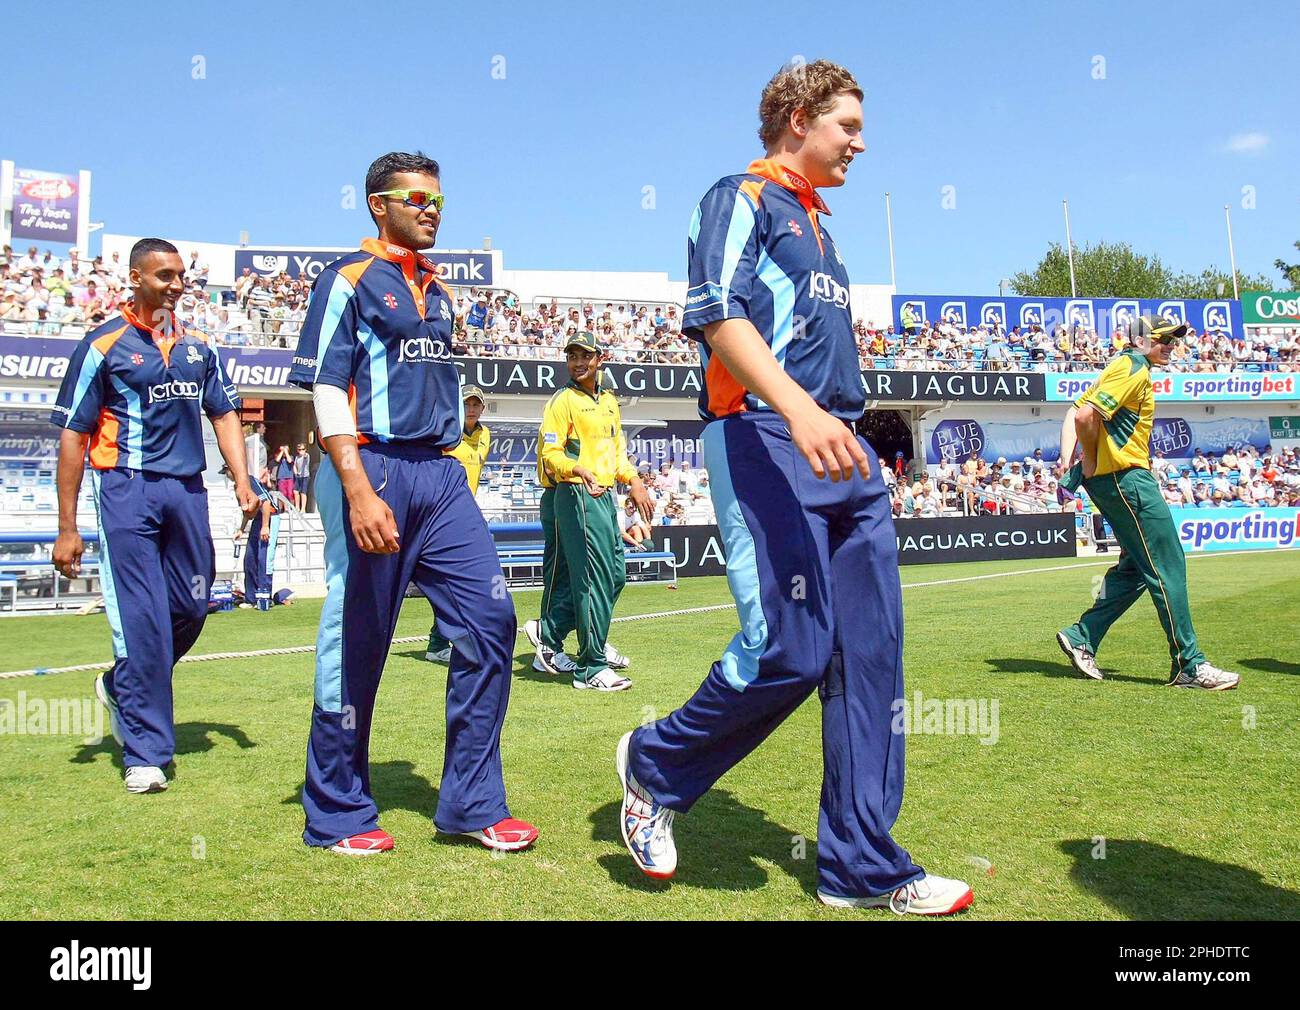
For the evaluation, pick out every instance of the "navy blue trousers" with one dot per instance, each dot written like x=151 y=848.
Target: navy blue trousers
x=447 y=551
x=156 y=569
x=259 y=561
x=813 y=566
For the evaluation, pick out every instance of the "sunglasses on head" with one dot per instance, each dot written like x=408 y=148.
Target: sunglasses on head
x=416 y=197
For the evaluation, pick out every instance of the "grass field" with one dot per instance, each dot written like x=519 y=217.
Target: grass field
x=1195 y=797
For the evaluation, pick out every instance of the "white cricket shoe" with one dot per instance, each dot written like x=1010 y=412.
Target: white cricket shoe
x=930 y=895
x=547 y=660
x=1208 y=678
x=603 y=679
x=143 y=779
x=560 y=662
x=616 y=659
x=1080 y=658
x=647 y=825
x=110 y=703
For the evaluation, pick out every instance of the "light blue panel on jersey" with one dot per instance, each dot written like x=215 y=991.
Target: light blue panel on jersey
x=378 y=357
x=341 y=293
x=739 y=229
x=135 y=425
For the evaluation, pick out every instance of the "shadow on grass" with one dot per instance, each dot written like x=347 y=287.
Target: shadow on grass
x=1046 y=669
x=395 y=786
x=1268 y=665
x=191 y=738
x=1144 y=880
x=718 y=844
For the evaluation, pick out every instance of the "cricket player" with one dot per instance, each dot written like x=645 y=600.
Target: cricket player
x=472 y=452
x=581 y=453
x=1111 y=425
x=259 y=551
x=376 y=352
x=811 y=553
x=134 y=393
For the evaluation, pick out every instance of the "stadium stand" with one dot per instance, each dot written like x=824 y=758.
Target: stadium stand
x=40 y=294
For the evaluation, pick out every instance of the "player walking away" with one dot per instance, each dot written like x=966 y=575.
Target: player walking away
x=135 y=391
x=259 y=552
x=811 y=554
x=1111 y=424
x=581 y=453
x=472 y=452
x=376 y=352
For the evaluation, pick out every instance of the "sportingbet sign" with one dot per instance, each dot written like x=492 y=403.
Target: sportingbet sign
x=1271 y=308
x=1193 y=387
x=472 y=268
x=1233 y=529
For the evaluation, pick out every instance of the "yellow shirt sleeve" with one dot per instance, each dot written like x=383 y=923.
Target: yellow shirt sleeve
x=624 y=471
x=557 y=426
x=1116 y=387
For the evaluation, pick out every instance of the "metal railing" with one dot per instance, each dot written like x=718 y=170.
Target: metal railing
x=897 y=358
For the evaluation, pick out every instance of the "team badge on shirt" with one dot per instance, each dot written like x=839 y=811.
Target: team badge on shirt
x=137 y=359
x=192 y=355
x=390 y=300
x=794 y=227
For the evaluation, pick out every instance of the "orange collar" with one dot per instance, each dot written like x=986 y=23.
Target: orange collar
x=788 y=178
x=404 y=258
x=169 y=331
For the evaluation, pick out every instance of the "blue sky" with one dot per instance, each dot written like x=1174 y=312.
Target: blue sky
x=1001 y=101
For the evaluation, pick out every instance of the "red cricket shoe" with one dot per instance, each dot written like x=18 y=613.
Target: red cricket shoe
x=508 y=835
x=366 y=844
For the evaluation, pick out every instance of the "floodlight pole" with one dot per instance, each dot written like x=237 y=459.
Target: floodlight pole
x=1232 y=255
x=1069 y=248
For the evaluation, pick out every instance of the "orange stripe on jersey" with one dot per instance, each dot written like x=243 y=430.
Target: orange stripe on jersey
x=352 y=403
x=103 y=443
x=102 y=344
x=352 y=271
x=726 y=395
x=753 y=190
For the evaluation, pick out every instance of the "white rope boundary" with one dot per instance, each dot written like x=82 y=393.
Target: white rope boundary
x=294 y=650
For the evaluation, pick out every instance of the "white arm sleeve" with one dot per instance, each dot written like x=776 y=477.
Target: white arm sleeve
x=333 y=415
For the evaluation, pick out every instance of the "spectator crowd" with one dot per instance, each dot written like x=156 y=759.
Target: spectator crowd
x=43 y=294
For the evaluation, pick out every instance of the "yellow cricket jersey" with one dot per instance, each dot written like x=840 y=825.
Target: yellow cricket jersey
x=579 y=429
x=1122 y=395
x=472 y=451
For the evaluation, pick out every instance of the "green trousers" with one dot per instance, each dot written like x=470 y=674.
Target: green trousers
x=583 y=572
x=1151 y=560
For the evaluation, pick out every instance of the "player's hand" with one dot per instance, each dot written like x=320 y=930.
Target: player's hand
x=588 y=478
x=239 y=535
x=68 y=549
x=644 y=506
x=248 y=501
x=828 y=444
x=266 y=536
x=373 y=525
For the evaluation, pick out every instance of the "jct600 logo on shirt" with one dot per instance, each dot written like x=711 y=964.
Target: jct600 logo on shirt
x=423 y=349
x=177 y=389
x=828 y=289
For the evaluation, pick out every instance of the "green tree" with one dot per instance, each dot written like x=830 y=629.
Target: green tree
x=1215 y=283
x=1104 y=270
x=1291 y=271
x=1114 y=270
